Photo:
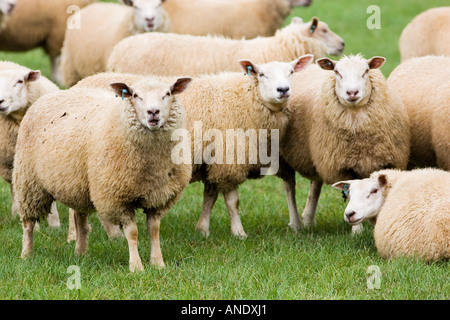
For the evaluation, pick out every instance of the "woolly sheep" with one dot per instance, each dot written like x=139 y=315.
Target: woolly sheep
x=108 y=154
x=427 y=34
x=426 y=97
x=234 y=19
x=86 y=50
x=20 y=87
x=410 y=210
x=39 y=23
x=345 y=123
x=6 y=8
x=229 y=101
x=205 y=55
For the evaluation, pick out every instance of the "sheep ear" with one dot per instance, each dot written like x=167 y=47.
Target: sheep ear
x=313 y=26
x=382 y=180
x=376 y=62
x=326 y=64
x=249 y=67
x=122 y=90
x=341 y=185
x=296 y=20
x=32 y=76
x=127 y=2
x=302 y=62
x=180 y=85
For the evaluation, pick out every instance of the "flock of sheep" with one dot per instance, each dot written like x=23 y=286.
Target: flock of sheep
x=149 y=68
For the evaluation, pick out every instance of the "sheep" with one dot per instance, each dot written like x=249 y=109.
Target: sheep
x=426 y=97
x=6 y=8
x=427 y=34
x=39 y=23
x=118 y=22
x=227 y=101
x=410 y=210
x=108 y=154
x=20 y=87
x=206 y=55
x=345 y=123
x=234 y=19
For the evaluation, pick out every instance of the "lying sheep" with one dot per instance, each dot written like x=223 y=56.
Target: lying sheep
x=427 y=34
x=234 y=19
x=345 y=123
x=97 y=152
x=20 y=87
x=6 y=8
x=39 y=23
x=86 y=50
x=410 y=210
x=426 y=97
x=205 y=55
x=218 y=104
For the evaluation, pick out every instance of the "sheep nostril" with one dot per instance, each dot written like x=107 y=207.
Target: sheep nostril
x=153 y=112
x=350 y=214
x=283 y=90
x=1 y=101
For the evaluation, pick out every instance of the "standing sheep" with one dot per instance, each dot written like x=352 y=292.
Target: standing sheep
x=427 y=34
x=86 y=49
x=426 y=96
x=39 y=23
x=6 y=8
x=410 y=210
x=206 y=55
x=235 y=19
x=345 y=123
x=96 y=152
x=20 y=87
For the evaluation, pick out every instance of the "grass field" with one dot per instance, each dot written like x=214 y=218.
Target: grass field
x=325 y=262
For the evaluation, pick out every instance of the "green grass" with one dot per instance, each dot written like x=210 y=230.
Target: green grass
x=325 y=262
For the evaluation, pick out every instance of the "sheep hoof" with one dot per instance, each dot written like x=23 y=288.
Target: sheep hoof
x=203 y=232
x=136 y=266
x=157 y=262
x=240 y=235
x=295 y=227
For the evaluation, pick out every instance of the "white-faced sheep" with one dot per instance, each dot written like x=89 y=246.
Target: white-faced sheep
x=205 y=55
x=20 y=87
x=39 y=23
x=6 y=8
x=410 y=210
x=86 y=49
x=95 y=151
x=426 y=96
x=227 y=117
x=345 y=123
x=427 y=34
x=234 y=19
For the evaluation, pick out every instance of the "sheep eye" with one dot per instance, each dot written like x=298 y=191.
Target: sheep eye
x=374 y=191
x=366 y=73
x=338 y=74
x=19 y=82
x=167 y=94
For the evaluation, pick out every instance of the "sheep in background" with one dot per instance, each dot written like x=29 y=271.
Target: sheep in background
x=410 y=210
x=426 y=96
x=86 y=50
x=427 y=34
x=234 y=19
x=6 y=8
x=39 y=23
x=345 y=123
x=20 y=87
x=206 y=55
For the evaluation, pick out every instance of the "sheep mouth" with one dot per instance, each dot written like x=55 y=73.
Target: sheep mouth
x=150 y=26
x=153 y=123
x=354 y=222
x=3 y=109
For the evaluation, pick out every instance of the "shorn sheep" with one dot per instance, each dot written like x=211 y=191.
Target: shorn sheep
x=345 y=123
x=205 y=55
x=235 y=19
x=6 y=8
x=20 y=87
x=427 y=34
x=227 y=117
x=103 y=151
x=410 y=210
x=40 y=23
x=426 y=97
x=86 y=49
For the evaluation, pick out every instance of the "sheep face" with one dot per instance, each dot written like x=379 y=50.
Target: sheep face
x=366 y=197
x=7 y=6
x=148 y=14
x=14 y=89
x=300 y=3
x=353 y=86
x=275 y=79
x=152 y=102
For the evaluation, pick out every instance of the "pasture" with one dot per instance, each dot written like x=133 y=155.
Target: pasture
x=324 y=262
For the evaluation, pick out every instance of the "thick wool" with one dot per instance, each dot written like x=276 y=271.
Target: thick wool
x=415 y=217
x=426 y=96
x=173 y=54
x=427 y=34
x=86 y=50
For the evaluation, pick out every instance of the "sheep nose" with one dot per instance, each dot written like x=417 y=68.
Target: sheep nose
x=153 y=112
x=352 y=93
x=11 y=7
x=283 y=90
x=1 y=101
x=350 y=214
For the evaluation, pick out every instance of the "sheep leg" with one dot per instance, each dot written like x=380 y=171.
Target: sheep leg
x=113 y=230
x=72 y=234
x=153 y=224
x=56 y=72
x=210 y=195
x=294 y=218
x=82 y=231
x=232 y=202
x=14 y=206
x=309 y=213
x=131 y=233
x=53 y=217
x=27 y=240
